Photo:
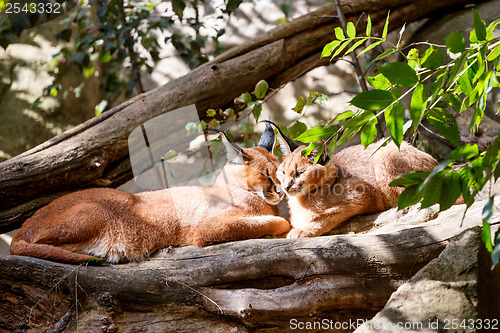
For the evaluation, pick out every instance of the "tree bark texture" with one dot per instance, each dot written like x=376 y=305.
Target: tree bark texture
x=255 y=284
x=95 y=152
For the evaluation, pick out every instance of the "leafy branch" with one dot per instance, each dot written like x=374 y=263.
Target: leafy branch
x=462 y=83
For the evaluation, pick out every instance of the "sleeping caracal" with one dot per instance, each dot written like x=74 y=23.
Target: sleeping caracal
x=120 y=227
x=353 y=181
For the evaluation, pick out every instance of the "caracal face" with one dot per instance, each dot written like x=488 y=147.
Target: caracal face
x=299 y=175
x=257 y=174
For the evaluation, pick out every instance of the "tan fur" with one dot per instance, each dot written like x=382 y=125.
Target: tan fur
x=120 y=227
x=354 y=181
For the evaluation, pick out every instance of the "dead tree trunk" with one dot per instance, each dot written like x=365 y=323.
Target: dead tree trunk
x=261 y=283
x=95 y=152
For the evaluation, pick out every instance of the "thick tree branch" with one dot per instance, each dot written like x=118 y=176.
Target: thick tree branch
x=95 y=153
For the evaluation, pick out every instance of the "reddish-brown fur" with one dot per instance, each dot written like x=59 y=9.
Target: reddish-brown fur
x=354 y=181
x=120 y=227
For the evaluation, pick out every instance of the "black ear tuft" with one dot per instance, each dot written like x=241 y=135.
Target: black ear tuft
x=267 y=139
x=286 y=144
x=235 y=154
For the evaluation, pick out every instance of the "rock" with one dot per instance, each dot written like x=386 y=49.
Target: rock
x=442 y=294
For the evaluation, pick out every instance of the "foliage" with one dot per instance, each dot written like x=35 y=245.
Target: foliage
x=438 y=92
x=117 y=41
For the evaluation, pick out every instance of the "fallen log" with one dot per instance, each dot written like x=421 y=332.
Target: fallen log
x=95 y=152
x=254 y=284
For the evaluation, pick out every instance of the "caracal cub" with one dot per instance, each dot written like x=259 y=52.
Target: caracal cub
x=120 y=227
x=353 y=181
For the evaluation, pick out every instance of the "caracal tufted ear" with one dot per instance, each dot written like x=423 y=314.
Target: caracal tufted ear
x=235 y=155
x=286 y=144
x=324 y=158
x=267 y=139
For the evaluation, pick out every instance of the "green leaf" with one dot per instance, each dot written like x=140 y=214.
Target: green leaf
x=170 y=154
x=399 y=73
x=368 y=26
x=369 y=132
x=432 y=191
x=410 y=178
x=379 y=82
x=418 y=104
x=318 y=154
x=257 y=110
x=178 y=7
x=353 y=125
x=479 y=26
x=301 y=103
x=465 y=152
x=329 y=48
x=351 y=30
x=192 y=128
x=492 y=26
x=386 y=26
x=373 y=99
x=455 y=42
x=355 y=45
x=339 y=33
x=394 y=118
x=312 y=96
x=385 y=54
x=437 y=169
x=413 y=58
x=245 y=128
x=409 y=197
x=432 y=58
x=342 y=116
x=494 y=54
x=297 y=129
x=310 y=148
x=341 y=47
x=211 y=113
x=445 y=123
x=261 y=89
x=371 y=46
x=243 y=99
x=316 y=133
x=486 y=236
x=476 y=119
x=496 y=173
x=100 y=107
x=451 y=190
x=465 y=84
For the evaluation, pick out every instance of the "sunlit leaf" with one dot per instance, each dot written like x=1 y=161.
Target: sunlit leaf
x=445 y=123
x=399 y=73
x=368 y=26
x=329 y=48
x=465 y=152
x=455 y=42
x=339 y=33
x=373 y=99
x=379 y=82
x=394 y=118
x=316 y=133
x=432 y=58
x=418 y=104
x=261 y=89
x=450 y=191
x=351 y=30
x=386 y=26
x=369 y=132
x=479 y=26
